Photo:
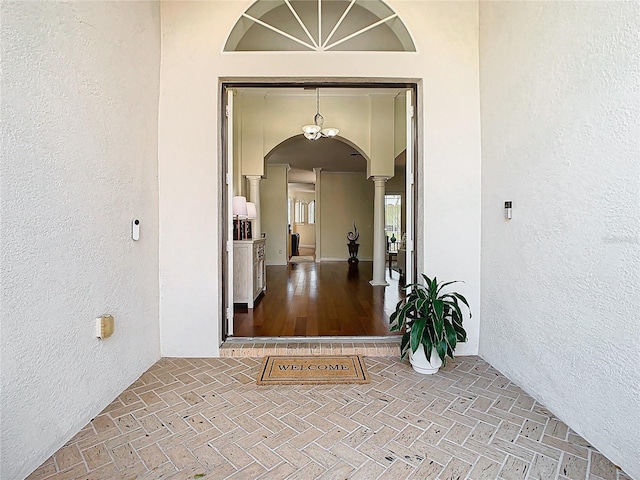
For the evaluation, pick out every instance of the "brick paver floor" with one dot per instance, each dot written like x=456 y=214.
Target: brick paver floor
x=207 y=418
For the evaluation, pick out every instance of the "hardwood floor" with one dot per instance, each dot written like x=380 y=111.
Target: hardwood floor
x=320 y=299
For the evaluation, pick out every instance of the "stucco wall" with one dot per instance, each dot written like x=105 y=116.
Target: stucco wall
x=446 y=68
x=560 y=90
x=79 y=162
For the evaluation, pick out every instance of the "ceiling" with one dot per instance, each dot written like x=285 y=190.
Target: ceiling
x=309 y=90
x=330 y=154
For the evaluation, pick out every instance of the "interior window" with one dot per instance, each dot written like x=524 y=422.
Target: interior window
x=312 y=212
x=299 y=211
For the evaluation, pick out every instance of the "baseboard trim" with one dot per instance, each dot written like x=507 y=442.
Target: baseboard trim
x=343 y=259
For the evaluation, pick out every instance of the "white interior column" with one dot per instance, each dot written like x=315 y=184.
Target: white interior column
x=379 y=243
x=254 y=196
x=317 y=171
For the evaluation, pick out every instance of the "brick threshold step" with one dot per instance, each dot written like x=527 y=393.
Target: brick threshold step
x=262 y=346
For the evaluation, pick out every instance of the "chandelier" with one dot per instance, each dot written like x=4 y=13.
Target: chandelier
x=317 y=129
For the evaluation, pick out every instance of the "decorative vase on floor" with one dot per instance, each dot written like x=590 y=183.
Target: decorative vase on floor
x=353 y=252
x=420 y=364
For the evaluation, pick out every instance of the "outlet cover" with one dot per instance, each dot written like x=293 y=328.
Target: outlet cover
x=104 y=326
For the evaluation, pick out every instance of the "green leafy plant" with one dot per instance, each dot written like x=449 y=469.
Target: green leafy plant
x=431 y=318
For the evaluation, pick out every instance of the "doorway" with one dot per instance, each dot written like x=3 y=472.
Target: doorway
x=278 y=161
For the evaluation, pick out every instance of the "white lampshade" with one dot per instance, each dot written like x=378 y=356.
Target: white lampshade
x=312 y=136
x=311 y=129
x=251 y=210
x=240 y=206
x=329 y=132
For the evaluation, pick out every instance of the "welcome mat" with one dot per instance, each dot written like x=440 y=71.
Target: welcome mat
x=301 y=259
x=305 y=370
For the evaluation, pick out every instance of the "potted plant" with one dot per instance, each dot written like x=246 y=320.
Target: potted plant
x=432 y=323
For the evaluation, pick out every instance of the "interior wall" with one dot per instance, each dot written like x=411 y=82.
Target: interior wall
x=397 y=183
x=350 y=113
x=561 y=280
x=251 y=134
x=399 y=125
x=382 y=136
x=345 y=197
x=446 y=69
x=80 y=83
x=307 y=234
x=238 y=183
x=273 y=207
x=367 y=122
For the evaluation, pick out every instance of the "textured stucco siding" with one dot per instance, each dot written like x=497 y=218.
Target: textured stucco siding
x=79 y=162
x=560 y=103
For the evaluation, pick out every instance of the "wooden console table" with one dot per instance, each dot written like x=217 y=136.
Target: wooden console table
x=249 y=270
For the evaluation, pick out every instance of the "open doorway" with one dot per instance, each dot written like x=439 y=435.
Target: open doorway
x=316 y=192
x=301 y=218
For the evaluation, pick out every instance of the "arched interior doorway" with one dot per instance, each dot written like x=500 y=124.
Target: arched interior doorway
x=307 y=161
x=268 y=153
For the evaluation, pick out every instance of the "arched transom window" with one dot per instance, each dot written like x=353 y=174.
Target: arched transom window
x=319 y=25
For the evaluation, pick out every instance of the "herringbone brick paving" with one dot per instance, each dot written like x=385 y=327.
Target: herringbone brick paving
x=206 y=418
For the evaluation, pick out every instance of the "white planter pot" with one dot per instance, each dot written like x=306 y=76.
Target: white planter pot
x=420 y=363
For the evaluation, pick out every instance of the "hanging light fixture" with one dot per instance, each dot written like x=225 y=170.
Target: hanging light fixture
x=317 y=129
